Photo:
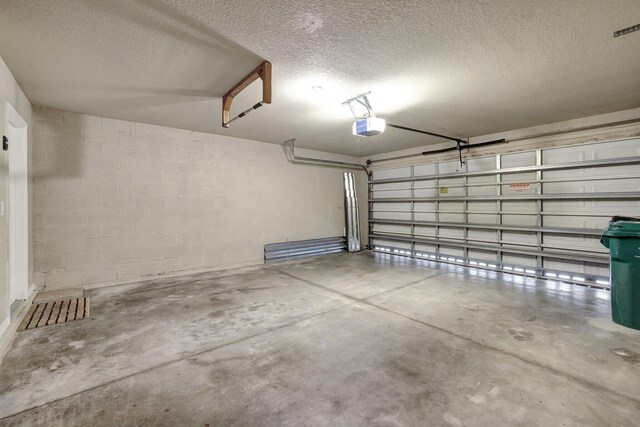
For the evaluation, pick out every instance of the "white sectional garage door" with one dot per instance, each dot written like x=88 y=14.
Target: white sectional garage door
x=537 y=213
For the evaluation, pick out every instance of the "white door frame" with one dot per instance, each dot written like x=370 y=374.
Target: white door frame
x=18 y=205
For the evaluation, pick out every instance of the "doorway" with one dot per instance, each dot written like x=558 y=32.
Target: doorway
x=18 y=205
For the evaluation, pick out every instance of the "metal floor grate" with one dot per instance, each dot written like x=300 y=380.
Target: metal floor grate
x=54 y=312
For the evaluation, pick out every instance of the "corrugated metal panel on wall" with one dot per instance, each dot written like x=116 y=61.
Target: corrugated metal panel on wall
x=538 y=213
x=303 y=248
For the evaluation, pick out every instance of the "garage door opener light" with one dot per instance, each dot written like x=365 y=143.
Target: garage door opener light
x=366 y=124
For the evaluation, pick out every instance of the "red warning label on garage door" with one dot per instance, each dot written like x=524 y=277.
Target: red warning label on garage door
x=519 y=188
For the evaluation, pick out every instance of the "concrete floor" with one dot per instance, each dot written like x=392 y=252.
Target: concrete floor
x=346 y=339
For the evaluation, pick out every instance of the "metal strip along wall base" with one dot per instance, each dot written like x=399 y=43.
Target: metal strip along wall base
x=283 y=251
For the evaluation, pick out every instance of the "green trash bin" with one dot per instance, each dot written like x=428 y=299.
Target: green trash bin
x=622 y=238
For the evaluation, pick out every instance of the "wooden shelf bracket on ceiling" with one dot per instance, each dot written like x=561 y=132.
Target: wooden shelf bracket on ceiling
x=263 y=71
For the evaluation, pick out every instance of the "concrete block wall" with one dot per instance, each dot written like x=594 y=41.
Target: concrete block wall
x=116 y=200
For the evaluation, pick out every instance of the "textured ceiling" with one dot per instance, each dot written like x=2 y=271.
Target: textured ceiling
x=464 y=68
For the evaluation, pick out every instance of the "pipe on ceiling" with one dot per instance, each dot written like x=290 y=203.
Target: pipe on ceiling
x=289 y=150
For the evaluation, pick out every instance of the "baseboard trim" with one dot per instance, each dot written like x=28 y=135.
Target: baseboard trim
x=170 y=274
x=5 y=325
x=8 y=328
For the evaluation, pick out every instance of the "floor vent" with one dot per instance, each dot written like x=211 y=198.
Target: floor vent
x=303 y=248
x=54 y=312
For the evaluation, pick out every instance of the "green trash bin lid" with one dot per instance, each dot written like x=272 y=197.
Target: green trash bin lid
x=623 y=227
x=620 y=228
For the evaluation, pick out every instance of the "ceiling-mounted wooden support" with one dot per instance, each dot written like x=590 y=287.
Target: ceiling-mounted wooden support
x=263 y=71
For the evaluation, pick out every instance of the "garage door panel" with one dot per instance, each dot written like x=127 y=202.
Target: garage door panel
x=516 y=160
x=452 y=217
x=451 y=251
x=487 y=257
x=584 y=270
x=592 y=186
x=398 y=207
x=489 y=236
x=616 y=149
x=425 y=170
x=481 y=206
x=488 y=219
x=401 y=189
x=425 y=211
x=429 y=249
x=425 y=231
x=518 y=260
x=572 y=221
x=392 y=186
x=573 y=205
x=448 y=167
x=625 y=171
x=483 y=255
x=523 y=238
x=404 y=246
x=520 y=220
x=392 y=194
x=451 y=211
x=529 y=220
x=392 y=229
x=581 y=243
x=403 y=216
x=558 y=155
x=425 y=216
x=390 y=245
x=596 y=151
x=451 y=233
x=480 y=164
x=426 y=192
x=485 y=180
x=620 y=207
x=566 y=188
x=482 y=191
x=451 y=187
x=404 y=172
x=519 y=177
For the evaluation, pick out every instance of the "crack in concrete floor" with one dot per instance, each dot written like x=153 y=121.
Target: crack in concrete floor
x=182 y=358
x=355 y=300
x=583 y=381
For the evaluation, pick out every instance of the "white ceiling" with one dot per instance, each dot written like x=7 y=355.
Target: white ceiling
x=464 y=68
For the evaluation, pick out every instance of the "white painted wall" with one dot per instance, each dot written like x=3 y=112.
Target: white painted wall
x=9 y=92
x=116 y=201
